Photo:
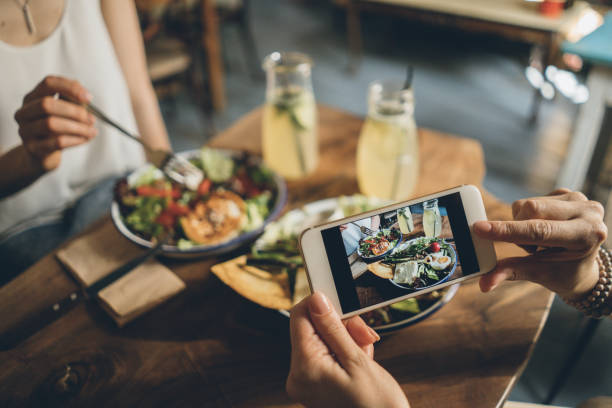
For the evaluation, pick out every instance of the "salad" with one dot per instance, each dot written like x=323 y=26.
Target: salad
x=378 y=244
x=421 y=262
x=236 y=196
x=402 y=310
x=277 y=250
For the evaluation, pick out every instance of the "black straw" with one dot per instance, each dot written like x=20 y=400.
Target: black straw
x=409 y=76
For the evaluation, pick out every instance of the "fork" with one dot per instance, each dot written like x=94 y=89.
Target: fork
x=364 y=230
x=175 y=167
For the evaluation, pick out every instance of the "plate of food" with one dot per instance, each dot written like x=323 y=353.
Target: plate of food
x=272 y=274
x=410 y=311
x=418 y=264
x=376 y=246
x=238 y=197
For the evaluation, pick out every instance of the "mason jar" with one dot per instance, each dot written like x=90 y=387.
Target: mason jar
x=289 y=133
x=388 y=147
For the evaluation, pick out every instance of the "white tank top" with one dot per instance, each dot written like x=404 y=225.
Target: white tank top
x=79 y=48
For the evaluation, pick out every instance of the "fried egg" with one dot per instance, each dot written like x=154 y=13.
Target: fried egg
x=441 y=262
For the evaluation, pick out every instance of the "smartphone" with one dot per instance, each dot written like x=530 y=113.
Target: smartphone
x=383 y=256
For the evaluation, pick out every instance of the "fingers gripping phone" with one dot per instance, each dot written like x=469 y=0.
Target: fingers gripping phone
x=393 y=253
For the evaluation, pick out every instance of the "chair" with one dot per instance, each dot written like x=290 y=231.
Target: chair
x=172 y=33
x=237 y=12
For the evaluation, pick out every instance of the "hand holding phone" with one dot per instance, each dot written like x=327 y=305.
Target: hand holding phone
x=561 y=232
x=383 y=256
x=330 y=366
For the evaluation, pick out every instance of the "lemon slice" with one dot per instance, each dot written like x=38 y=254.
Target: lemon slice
x=303 y=114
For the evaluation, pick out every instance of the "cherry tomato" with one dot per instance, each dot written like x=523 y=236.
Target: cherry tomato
x=204 y=187
x=148 y=191
x=166 y=219
x=434 y=247
x=177 y=209
x=248 y=185
x=175 y=193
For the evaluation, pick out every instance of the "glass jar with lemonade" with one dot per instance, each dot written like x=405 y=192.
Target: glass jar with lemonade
x=405 y=221
x=289 y=128
x=388 y=148
x=432 y=220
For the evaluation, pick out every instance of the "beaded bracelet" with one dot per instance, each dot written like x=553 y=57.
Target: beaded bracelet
x=594 y=305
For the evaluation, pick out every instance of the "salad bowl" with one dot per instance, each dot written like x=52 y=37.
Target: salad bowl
x=182 y=247
x=448 y=271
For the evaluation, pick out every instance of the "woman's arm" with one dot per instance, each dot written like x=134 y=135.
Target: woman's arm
x=47 y=125
x=17 y=171
x=122 y=22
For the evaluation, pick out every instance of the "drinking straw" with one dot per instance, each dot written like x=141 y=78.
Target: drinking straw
x=396 y=175
x=297 y=126
x=298 y=143
x=409 y=77
x=395 y=180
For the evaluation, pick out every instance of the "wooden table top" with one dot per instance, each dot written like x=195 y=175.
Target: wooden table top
x=210 y=347
x=512 y=12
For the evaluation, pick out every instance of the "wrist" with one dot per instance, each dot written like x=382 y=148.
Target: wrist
x=598 y=303
x=588 y=279
x=41 y=164
x=30 y=161
x=17 y=171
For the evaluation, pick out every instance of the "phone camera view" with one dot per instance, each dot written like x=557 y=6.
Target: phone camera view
x=406 y=250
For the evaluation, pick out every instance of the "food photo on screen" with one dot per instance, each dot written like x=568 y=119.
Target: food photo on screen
x=403 y=251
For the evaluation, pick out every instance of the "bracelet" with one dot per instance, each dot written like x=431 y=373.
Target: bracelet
x=594 y=305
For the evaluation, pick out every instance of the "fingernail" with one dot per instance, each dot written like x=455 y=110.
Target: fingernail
x=483 y=226
x=319 y=304
x=92 y=119
x=87 y=96
x=375 y=336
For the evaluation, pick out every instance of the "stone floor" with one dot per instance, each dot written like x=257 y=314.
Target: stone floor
x=470 y=85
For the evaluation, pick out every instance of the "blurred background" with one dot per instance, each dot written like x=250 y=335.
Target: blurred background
x=530 y=80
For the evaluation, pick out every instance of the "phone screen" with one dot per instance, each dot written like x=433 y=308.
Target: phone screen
x=398 y=252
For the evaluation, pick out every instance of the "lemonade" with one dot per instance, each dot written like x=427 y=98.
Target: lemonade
x=289 y=132
x=432 y=221
x=404 y=219
x=388 y=149
x=387 y=157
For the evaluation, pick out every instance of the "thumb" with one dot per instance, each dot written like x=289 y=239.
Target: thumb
x=329 y=327
x=512 y=269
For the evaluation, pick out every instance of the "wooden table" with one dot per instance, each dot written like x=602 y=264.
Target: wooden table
x=513 y=19
x=210 y=347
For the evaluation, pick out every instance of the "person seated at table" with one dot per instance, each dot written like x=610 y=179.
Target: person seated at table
x=352 y=234
x=57 y=165
x=332 y=361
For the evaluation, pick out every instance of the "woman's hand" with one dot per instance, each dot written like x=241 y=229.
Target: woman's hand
x=47 y=124
x=562 y=232
x=331 y=362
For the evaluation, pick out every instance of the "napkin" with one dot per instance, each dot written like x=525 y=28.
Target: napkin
x=100 y=252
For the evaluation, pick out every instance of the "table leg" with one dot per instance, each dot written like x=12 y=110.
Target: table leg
x=248 y=42
x=196 y=74
x=210 y=42
x=573 y=358
x=353 y=35
x=546 y=58
x=535 y=106
x=587 y=129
